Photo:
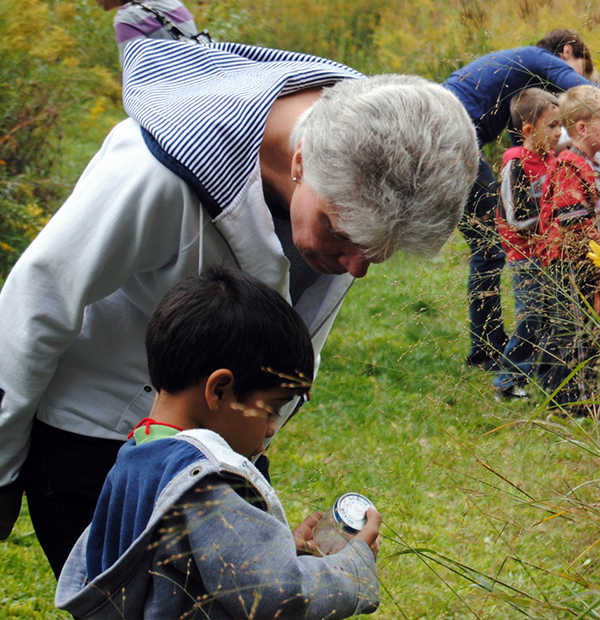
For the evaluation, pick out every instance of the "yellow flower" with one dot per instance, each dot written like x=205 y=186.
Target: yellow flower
x=594 y=255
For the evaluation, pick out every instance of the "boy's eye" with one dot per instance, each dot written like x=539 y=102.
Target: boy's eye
x=272 y=414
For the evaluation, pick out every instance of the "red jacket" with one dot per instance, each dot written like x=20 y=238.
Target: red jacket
x=521 y=180
x=570 y=209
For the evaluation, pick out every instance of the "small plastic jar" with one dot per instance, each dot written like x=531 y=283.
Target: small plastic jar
x=341 y=522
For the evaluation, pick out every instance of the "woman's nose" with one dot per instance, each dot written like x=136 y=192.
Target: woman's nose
x=355 y=263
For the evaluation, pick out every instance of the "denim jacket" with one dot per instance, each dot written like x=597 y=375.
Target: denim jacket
x=185 y=527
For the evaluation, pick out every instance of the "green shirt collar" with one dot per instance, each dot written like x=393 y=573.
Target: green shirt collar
x=149 y=430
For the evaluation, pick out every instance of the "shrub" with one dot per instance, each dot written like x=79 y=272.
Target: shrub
x=45 y=79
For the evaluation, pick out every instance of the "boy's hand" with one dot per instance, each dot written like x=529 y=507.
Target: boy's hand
x=303 y=535
x=370 y=533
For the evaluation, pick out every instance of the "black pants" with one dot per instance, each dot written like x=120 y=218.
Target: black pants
x=480 y=231
x=572 y=337
x=64 y=474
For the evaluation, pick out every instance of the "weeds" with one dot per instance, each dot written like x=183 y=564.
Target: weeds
x=491 y=510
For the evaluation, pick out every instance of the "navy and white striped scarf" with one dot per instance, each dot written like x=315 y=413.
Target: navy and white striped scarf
x=203 y=108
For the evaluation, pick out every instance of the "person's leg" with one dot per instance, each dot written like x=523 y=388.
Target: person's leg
x=478 y=226
x=64 y=474
x=565 y=343
x=547 y=303
x=587 y=287
x=519 y=356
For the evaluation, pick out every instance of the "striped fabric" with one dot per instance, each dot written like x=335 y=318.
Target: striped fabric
x=204 y=108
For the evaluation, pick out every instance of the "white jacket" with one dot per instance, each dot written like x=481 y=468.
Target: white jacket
x=73 y=311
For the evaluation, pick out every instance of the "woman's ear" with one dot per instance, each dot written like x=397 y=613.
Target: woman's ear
x=218 y=388
x=567 y=52
x=297 y=163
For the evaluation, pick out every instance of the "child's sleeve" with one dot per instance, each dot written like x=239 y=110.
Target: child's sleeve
x=247 y=561
x=565 y=220
x=518 y=205
x=569 y=199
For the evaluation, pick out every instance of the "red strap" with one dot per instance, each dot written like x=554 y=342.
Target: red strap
x=147 y=422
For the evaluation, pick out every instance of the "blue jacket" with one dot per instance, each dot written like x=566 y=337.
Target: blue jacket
x=486 y=85
x=187 y=528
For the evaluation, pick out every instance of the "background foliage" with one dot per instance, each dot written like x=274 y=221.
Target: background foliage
x=52 y=87
x=490 y=510
x=60 y=75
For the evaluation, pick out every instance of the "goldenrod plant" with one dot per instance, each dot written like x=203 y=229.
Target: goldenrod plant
x=50 y=90
x=491 y=509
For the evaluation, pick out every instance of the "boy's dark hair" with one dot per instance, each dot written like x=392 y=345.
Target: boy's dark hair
x=225 y=318
x=528 y=105
x=556 y=40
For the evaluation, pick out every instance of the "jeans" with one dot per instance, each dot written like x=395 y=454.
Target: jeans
x=518 y=362
x=479 y=229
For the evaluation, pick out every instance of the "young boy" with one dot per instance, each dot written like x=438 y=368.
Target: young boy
x=534 y=114
x=568 y=221
x=186 y=526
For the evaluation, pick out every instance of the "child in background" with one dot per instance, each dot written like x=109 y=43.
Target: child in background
x=151 y=19
x=534 y=114
x=186 y=526
x=568 y=221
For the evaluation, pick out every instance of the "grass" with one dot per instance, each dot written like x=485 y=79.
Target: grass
x=489 y=510
x=462 y=481
x=397 y=416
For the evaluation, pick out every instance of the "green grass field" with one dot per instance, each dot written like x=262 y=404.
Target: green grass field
x=489 y=510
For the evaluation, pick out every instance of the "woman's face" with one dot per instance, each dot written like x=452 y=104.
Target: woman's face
x=316 y=237
x=577 y=64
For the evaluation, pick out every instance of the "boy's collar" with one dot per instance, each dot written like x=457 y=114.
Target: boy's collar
x=150 y=430
x=577 y=151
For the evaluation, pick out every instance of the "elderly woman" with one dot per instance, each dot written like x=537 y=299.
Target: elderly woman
x=295 y=169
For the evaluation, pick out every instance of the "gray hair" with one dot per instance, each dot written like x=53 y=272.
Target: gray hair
x=396 y=154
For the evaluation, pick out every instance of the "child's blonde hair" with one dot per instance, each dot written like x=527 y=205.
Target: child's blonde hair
x=580 y=103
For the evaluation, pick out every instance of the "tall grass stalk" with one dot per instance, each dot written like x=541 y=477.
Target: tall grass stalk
x=490 y=509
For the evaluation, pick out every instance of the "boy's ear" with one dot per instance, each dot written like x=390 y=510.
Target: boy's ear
x=527 y=130
x=218 y=388
x=581 y=128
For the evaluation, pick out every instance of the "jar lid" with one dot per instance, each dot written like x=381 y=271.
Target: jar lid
x=350 y=511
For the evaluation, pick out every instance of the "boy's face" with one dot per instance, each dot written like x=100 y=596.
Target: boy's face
x=545 y=132
x=246 y=425
x=589 y=135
